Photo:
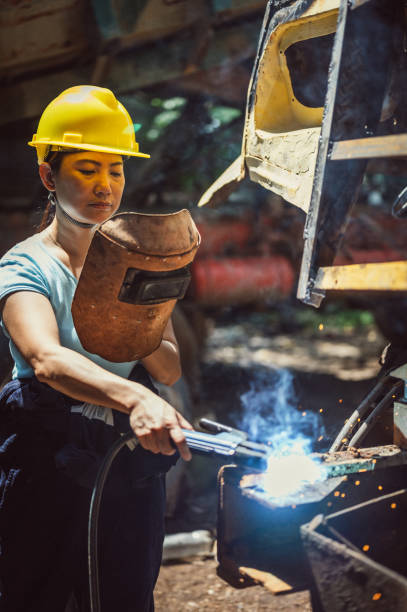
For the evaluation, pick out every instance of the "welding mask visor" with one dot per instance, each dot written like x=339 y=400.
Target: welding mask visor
x=136 y=269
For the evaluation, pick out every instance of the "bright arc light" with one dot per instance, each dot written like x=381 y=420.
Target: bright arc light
x=288 y=474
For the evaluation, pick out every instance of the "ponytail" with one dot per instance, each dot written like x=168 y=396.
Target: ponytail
x=48 y=214
x=54 y=159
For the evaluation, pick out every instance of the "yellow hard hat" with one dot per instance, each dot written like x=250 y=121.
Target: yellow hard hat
x=87 y=118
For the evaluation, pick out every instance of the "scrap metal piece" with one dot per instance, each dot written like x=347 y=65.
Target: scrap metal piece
x=358 y=556
x=284 y=113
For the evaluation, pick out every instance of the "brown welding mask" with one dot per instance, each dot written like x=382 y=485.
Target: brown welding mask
x=136 y=269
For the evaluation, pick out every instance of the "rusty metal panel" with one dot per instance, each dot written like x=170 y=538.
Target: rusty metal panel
x=40 y=32
x=359 y=556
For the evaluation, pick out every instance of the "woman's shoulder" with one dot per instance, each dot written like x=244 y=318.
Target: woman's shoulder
x=30 y=248
x=23 y=268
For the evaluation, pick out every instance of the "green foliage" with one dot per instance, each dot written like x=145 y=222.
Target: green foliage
x=224 y=114
x=334 y=318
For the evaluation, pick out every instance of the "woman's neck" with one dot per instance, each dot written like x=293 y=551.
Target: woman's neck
x=69 y=242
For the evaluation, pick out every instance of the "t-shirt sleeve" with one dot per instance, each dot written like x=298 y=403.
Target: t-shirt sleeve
x=19 y=272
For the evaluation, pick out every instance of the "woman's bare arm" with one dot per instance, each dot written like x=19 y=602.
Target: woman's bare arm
x=30 y=321
x=164 y=364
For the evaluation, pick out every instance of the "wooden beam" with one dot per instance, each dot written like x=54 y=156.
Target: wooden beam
x=366 y=148
x=138 y=68
x=386 y=276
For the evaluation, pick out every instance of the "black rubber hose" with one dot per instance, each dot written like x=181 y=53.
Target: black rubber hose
x=93 y=564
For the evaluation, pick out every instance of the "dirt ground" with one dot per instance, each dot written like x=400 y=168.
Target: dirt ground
x=332 y=372
x=195 y=586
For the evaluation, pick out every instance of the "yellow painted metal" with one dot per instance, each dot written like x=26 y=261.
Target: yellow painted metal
x=394 y=145
x=276 y=108
x=281 y=135
x=386 y=276
x=224 y=184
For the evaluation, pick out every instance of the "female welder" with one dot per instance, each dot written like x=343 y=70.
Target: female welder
x=64 y=406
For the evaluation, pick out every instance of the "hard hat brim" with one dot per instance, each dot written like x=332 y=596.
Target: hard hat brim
x=87 y=147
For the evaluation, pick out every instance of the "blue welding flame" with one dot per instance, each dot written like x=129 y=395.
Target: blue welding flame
x=271 y=415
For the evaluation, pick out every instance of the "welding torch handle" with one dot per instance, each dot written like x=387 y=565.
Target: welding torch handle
x=213 y=426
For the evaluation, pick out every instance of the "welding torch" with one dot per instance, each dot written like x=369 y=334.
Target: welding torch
x=227 y=442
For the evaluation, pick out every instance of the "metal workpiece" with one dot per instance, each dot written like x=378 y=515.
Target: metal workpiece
x=355 y=461
x=260 y=532
x=358 y=556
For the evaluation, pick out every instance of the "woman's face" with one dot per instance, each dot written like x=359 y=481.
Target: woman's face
x=89 y=185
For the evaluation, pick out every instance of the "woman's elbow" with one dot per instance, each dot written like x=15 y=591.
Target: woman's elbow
x=45 y=366
x=170 y=377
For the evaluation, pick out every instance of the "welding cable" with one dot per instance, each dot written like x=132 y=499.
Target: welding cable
x=373 y=416
x=93 y=565
x=360 y=411
x=234 y=446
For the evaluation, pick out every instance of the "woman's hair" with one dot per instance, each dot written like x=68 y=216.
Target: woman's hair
x=54 y=160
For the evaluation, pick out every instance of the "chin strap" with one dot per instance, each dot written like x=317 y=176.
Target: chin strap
x=54 y=201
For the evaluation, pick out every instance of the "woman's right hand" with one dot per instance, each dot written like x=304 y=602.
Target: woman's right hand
x=158 y=426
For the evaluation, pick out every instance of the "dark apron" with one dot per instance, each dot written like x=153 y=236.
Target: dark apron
x=49 y=456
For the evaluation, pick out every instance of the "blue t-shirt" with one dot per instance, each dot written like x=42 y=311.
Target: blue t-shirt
x=30 y=266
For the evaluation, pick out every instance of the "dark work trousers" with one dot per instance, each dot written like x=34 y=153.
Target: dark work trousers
x=49 y=456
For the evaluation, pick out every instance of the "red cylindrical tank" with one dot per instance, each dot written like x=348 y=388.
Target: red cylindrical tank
x=236 y=280
x=223 y=235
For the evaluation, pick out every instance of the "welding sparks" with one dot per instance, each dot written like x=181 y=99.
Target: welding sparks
x=273 y=416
